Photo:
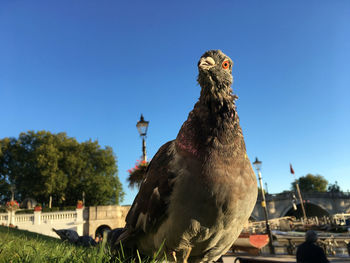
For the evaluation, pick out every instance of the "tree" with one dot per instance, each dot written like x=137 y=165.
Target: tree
x=334 y=188
x=259 y=191
x=4 y=184
x=42 y=164
x=311 y=183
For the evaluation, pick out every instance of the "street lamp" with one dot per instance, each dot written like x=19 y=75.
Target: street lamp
x=257 y=165
x=142 y=127
x=12 y=188
x=298 y=190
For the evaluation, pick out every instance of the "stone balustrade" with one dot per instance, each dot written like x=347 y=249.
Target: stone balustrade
x=86 y=221
x=23 y=218
x=44 y=222
x=64 y=215
x=3 y=218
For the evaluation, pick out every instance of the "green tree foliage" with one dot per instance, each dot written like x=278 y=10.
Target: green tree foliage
x=42 y=164
x=259 y=191
x=334 y=188
x=311 y=183
x=5 y=184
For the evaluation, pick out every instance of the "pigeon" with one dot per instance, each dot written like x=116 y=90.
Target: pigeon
x=86 y=241
x=199 y=189
x=67 y=235
x=72 y=236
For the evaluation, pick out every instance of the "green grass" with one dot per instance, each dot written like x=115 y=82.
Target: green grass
x=23 y=246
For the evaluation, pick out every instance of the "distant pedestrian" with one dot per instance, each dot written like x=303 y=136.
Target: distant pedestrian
x=309 y=252
x=98 y=238
x=348 y=246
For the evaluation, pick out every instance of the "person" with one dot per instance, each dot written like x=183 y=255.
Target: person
x=347 y=246
x=309 y=252
x=98 y=238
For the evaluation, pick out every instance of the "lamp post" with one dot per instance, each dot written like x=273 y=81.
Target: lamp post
x=299 y=193
x=12 y=188
x=142 y=127
x=257 y=165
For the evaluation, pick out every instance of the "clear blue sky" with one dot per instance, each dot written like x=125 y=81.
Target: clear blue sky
x=90 y=68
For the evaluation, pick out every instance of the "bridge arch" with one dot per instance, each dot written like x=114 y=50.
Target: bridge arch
x=99 y=231
x=311 y=210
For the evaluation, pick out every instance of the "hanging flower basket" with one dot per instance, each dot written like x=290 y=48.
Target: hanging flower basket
x=12 y=205
x=137 y=174
x=80 y=204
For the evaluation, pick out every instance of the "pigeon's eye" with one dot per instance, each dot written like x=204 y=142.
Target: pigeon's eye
x=225 y=64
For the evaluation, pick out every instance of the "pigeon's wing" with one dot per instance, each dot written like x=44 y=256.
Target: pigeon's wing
x=151 y=203
x=86 y=241
x=72 y=235
x=60 y=234
x=67 y=234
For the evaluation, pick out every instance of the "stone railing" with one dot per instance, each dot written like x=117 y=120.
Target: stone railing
x=3 y=218
x=44 y=222
x=23 y=218
x=288 y=195
x=64 y=215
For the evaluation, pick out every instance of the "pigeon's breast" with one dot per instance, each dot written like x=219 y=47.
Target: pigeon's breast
x=185 y=143
x=190 y=141
x=206 y=213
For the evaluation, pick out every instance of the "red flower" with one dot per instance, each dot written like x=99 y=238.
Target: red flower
x=80 y=204
x=12 y=205
x=137 y=173
x=37 y=208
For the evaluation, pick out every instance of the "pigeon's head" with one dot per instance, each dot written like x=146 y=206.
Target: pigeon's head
x=215 y=71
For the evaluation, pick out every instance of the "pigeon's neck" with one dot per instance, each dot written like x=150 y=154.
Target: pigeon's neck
x=216 y=102
x=213 y=121
x=211 y=92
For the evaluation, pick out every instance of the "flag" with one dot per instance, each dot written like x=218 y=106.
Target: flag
x=291 y=169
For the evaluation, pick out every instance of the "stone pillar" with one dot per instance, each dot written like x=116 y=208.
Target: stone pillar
x=80 y=221
x=37 y=217
x=10 y=217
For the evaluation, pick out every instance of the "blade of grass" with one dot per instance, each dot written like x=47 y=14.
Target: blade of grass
x=122 y=250
x=158 y=252
x=138 y=255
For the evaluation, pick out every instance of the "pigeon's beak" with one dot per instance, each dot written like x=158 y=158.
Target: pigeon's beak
x=206 y=63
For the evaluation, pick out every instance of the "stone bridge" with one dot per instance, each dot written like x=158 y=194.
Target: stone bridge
x=316 y=204
x=95 y=219
x=102 y=218
x=86 y=221
x=279 y=205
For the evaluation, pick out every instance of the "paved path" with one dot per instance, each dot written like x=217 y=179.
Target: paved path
x=281 y=258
